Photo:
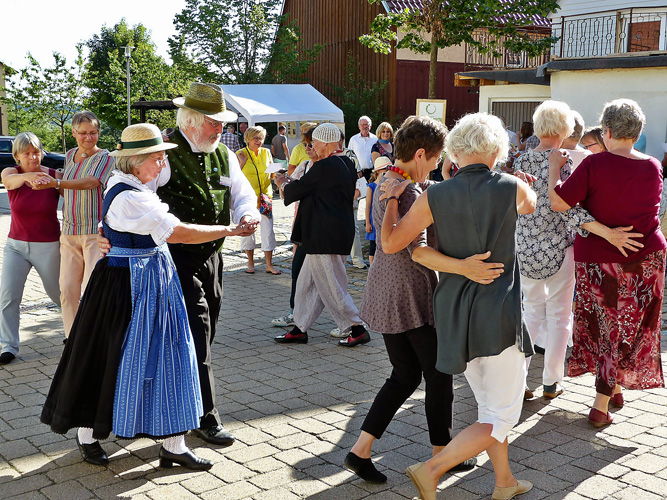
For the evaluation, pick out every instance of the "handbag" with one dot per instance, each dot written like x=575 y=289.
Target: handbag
x=265 y=202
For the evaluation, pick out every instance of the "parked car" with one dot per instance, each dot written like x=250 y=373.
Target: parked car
x=51 y=160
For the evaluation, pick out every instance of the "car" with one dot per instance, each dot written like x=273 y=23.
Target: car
x=50 y=160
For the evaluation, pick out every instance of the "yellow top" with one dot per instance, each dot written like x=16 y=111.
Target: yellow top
x=261 y=161
x=298 y=155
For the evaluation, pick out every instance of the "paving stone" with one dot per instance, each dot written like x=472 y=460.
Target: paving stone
x=69 y=490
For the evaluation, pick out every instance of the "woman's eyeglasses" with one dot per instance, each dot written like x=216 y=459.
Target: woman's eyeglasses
x=309 y=145
x=587 y=146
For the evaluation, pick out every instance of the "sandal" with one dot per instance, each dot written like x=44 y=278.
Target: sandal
x=250 y=271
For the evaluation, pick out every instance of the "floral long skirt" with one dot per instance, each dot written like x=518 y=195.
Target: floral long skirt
x=618 y=315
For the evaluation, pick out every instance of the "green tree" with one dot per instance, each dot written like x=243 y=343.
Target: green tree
x=358 y=97
x=150 y=77
x=43 y=99
x=447 y=23
x=242 y=41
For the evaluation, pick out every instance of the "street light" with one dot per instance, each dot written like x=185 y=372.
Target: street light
x=128 y=51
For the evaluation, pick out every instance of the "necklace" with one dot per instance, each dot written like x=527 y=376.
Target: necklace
x=335 y=152
x=402 y=172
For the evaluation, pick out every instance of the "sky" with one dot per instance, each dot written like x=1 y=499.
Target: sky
x=44 y=26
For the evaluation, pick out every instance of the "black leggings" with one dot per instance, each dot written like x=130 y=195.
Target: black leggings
x=412 y=354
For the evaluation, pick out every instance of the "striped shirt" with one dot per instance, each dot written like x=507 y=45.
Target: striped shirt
x=82 y=208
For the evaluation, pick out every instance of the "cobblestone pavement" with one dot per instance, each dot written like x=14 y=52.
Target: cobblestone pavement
x=296 y=410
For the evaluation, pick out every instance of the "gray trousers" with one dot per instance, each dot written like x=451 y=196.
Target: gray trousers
x=17 y=260
x=323 y=282
x=356 y=254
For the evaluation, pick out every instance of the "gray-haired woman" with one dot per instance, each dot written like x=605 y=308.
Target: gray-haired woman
x=33 y=237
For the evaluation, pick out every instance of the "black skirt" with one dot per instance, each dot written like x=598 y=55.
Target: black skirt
x=83 y=387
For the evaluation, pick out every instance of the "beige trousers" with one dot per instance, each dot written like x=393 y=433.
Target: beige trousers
x=78 y=256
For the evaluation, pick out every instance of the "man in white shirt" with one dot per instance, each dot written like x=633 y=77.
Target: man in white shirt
x=362 y=143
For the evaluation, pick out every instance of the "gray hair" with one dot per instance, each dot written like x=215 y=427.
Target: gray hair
x=85 y=117
x=22 y=142
x=188 y=118
x=478 y=134
x=552 y=119
x=126 y=164
x=623 y=118
x=254 y=131
x=579 y=125
x=361 y=118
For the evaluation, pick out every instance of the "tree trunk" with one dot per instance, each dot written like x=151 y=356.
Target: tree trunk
x=433 y=69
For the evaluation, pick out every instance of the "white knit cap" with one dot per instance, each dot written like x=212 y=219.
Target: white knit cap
x=327 y=133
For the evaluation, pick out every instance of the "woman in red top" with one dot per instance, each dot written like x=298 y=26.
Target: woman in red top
x=33 y=237
x=619 y=297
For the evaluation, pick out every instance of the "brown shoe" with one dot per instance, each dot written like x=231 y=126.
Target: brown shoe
x=598 y=419
x=552 y=391
x=419 y=476
x=512 y=491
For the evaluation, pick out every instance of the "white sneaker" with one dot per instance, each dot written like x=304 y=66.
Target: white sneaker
x=341 y=335
x=359 y=264
x=287 y=320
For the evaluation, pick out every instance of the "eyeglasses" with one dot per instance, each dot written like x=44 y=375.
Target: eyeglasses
x=587 y=146
x=90 y=134
x=386 y=132
x=309 y=145
x=211 y=122
x=161 y=162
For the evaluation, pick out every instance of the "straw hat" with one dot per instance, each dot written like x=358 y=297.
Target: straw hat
x=380 y=163
x=327 y=133
x=139 y=139
x=208 y=99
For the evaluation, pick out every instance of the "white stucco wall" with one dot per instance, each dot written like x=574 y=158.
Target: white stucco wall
x=588 y=91
x=488 y=94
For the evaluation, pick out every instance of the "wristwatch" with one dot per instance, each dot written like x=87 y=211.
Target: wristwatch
x=57 y=183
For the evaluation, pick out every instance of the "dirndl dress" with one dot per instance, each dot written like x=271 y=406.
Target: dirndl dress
x=129 y=365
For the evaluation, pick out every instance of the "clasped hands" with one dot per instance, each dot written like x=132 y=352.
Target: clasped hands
x=40 y=180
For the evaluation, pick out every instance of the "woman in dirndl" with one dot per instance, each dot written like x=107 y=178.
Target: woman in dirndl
x=618 y=312
x=129 y=366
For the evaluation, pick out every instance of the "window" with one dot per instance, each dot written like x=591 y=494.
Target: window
x=644 y=36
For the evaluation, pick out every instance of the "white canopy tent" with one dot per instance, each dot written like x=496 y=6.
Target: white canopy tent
x=262 y=103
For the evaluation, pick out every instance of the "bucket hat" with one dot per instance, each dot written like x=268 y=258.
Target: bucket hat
x=380 y=163
x=208 y=99
x=139 y=139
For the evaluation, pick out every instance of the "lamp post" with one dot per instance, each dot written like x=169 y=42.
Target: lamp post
x=128 y=52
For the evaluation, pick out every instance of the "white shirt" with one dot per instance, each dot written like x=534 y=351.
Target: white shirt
x=139 y=212
x=243 y=200
x=362 y=148
x=513 y=138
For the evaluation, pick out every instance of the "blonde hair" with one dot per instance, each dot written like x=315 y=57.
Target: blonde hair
x=384 y=126
x=22 y=142
x=478 y=134
x=254 y=131
x=553 y=119
x=126 y=163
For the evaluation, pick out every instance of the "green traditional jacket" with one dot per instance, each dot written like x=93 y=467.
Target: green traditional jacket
x=198 y=191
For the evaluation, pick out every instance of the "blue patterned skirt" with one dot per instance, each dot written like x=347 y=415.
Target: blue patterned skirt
x=157 y=387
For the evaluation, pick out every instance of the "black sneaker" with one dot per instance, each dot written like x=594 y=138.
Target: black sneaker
x=465 y=465
x=6 y=357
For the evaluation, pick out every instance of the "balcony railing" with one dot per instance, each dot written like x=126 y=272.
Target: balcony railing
x=608 y=33
x=507 y=59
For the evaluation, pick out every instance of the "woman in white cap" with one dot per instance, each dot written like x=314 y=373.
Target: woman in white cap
x=130 y=365
x=324 y=227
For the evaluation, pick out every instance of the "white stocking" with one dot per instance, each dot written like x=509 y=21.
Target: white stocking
x=85 y=435
x=175 y=445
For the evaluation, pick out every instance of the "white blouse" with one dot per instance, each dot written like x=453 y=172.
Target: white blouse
x=139 y=212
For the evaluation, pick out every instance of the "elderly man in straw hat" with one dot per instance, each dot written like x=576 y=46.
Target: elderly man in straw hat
x=202 y=183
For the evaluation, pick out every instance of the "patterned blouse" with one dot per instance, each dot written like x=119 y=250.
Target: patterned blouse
x=544 y=235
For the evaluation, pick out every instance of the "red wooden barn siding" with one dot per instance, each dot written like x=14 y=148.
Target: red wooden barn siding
x=338 y=24
x=412 y=84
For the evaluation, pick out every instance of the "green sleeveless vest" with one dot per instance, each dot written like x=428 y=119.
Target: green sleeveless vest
x=195 y=193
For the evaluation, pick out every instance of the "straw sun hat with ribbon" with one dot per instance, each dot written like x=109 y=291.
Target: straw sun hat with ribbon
x=139 y=139
x=380 y=163
x=208 y=99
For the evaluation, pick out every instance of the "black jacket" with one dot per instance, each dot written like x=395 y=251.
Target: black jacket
x=324 y=223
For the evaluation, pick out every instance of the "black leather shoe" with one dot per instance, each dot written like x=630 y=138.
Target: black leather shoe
x=215 y=435
x=364 y=468
x=465 y=465
x=290 y=338
x=188 y=460
x=6 y=357
x=93 y=453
